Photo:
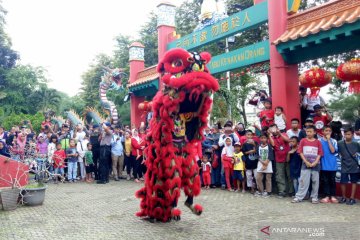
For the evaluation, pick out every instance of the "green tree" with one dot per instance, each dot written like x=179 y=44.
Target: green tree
x=347 y=108
x=149 y=38
x=20 y=82
x=187 y=16
x=46 y=98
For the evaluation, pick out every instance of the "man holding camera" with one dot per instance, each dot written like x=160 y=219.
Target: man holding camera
x=105 y=153
x=280 y=142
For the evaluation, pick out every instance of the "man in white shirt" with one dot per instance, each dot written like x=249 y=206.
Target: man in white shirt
x=79 y=133
x=310 y=101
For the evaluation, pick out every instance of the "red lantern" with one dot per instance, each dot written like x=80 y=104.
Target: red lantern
x=145 y=106
x=350 y=71
x=315 y=78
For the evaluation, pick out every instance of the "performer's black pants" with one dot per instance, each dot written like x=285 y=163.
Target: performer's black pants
x=105 y=155
x=138 y=172
x=129 y=162
x=96 y=156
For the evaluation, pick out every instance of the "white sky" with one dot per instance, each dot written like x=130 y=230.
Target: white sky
x=64 y=36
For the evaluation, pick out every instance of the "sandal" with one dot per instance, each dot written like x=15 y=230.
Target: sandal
x=296 y=200
x=195 y=209
x=325 y=200
x=334 y=200
x=342 y=200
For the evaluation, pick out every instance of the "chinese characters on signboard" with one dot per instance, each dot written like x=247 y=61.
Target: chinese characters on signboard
x=241 y=21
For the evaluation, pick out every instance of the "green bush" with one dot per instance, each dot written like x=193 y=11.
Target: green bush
x=17 y=119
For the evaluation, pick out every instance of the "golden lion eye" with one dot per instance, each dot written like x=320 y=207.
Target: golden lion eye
x=177 y=63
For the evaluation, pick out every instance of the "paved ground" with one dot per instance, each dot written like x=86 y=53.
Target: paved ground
x=89 y=211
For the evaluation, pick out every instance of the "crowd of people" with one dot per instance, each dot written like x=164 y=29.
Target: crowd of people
x=269 y=159
x=298 y=162
x=76 y=153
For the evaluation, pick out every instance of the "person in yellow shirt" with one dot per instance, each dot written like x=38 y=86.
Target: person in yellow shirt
x=129 y=162
x=239 y=168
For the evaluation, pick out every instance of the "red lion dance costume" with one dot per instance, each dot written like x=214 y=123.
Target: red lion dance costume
x=180 y=114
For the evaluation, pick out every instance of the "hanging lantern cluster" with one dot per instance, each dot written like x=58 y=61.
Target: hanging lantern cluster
x=315 y=78
x=145 y=106
x=350 y=72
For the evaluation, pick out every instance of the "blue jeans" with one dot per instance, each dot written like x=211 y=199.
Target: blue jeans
x=223 y=182
x=72 y=170
x=215 y=176
x=296 y=184
x=59 y=171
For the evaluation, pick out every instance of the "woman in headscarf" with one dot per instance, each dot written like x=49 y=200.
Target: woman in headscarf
x=17 y=150
x=3 y=150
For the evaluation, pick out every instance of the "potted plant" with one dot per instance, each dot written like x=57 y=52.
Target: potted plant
x=33 y=194
x=13 y=175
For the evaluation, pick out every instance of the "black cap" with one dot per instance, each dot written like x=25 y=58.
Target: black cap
x=302 y=88
x=309 y=119
x=317 y=106
x=267 y=100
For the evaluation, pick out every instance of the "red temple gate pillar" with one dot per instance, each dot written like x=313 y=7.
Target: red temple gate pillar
x=137 y=64
x=284 y=78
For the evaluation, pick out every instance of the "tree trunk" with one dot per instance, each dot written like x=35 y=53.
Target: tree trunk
x=269 y=83
x=243 y=113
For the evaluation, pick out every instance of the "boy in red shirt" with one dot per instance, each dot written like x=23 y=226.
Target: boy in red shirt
x=320 y=119
x=310 y=150
x=280 y=142
x=59 y=164
x=267 y=115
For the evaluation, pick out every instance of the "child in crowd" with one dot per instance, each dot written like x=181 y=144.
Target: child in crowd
x=349 y=151
x=239 y=168
x=328 y=165
x=72 y=155
x=59 y=161
x=280 y=119
x=89 y=163
x=41 y=154
x=321 y=118
x=280 y=143
x=264 y=166
x=206 y=170
x=251 y=159
x=267 y=115
x=51 y=150
x=81 y=148
x=227 y=160
x=310 y=150
x=294 y=130
x=295 y=162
